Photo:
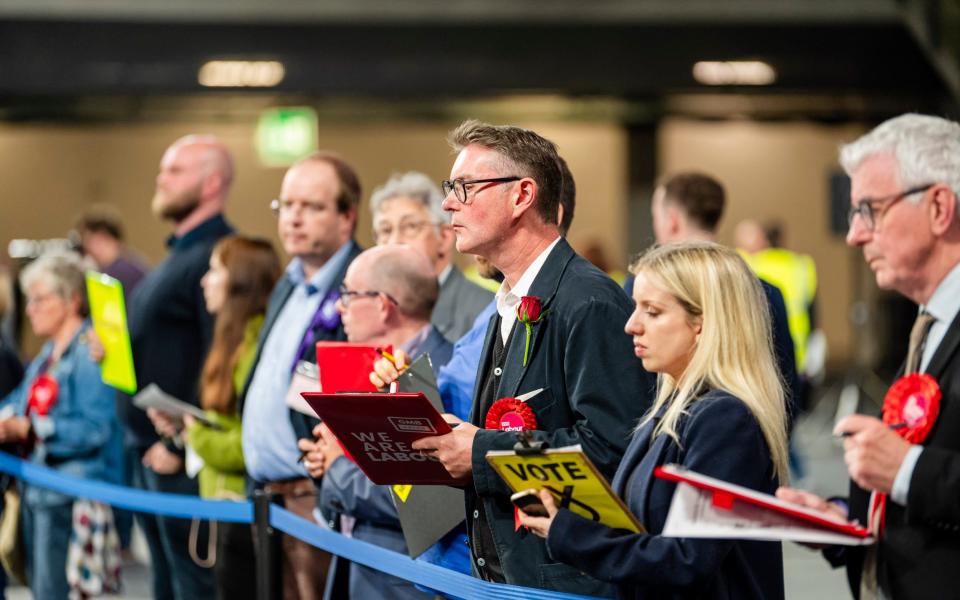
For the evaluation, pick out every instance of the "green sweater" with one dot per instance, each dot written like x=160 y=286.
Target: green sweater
x=223 y=474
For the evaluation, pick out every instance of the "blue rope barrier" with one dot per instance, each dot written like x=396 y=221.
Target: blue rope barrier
x=188 y=507
x=170 y=505
x=402 y=566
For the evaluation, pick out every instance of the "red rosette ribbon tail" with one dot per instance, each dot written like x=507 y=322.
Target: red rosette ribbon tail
x=911 y=407
x=510 y=414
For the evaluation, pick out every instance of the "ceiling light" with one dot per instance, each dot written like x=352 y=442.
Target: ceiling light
x=734 y=72
x=241 y=73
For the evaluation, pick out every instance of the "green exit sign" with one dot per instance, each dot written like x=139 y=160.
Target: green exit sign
x=285 y=135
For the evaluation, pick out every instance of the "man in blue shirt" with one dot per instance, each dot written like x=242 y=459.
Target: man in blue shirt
x=170 y=330
x=316 y=217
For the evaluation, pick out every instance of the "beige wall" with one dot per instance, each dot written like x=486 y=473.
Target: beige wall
x=49 y=174
x=777 y=171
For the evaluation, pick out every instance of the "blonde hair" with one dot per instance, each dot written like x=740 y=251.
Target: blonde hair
x=734 y=351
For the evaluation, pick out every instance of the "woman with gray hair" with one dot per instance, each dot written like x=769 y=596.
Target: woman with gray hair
x=63 y=415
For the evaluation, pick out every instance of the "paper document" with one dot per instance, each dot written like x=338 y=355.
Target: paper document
x=154 y=397
x=704 y=507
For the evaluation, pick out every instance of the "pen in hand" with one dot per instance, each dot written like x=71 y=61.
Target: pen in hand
x=391 y=358
x=893 y=426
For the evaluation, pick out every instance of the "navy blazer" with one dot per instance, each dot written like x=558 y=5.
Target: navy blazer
x=719 y=437
x=920 y=547
x=594 y=391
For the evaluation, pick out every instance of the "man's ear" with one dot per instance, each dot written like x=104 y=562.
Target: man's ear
x=675 y=220
x=943 y=209
x=212 y=185
x=348 y=222
x=524 y=196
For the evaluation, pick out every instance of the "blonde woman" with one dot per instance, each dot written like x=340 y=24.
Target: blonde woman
x=702 y=324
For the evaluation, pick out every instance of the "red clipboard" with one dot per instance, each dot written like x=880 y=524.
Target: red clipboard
x=346 y=367
x=377 y=430
x=726 y=494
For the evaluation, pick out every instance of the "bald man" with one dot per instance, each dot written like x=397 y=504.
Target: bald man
x=388 y=297
x=170 y=331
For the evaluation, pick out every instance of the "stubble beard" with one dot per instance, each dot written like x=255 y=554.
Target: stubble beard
x=175 y=208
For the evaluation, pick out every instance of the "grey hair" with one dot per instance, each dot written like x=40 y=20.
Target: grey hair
x=414 y=185
x=62 y=272
x=926 y=149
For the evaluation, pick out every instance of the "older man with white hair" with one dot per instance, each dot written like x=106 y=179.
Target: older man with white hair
x=407 y=210
x=905 y=178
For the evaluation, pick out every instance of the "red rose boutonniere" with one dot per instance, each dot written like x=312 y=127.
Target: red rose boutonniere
x=530 y=312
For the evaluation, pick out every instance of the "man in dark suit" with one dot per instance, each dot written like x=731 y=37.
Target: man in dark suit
x=503 y=194
x=905 y=175
x=407 y=210
x=316 y=217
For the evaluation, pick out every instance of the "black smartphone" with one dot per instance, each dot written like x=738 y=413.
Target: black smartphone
x=529 y=502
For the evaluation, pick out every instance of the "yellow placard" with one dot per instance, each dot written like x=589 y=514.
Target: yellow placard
x=109 y=316
x=572 y=479
x=402 y=491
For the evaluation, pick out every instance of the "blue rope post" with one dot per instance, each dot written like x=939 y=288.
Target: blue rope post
x=267 y=548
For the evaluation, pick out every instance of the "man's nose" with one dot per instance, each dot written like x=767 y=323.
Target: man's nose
x=450 y=202
x=857 y=234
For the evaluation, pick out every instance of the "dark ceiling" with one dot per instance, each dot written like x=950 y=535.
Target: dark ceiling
x=49 y=69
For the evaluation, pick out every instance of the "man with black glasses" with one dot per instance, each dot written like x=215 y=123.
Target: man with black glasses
x=316 y=217
x=503 y=194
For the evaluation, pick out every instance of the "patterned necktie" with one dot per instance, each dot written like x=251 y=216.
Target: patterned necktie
x=918 y=336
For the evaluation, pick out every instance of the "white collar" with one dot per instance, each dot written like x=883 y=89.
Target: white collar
x=508 y=298
x=942 y=304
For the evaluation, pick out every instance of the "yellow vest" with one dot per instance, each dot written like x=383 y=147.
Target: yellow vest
x=795 y=276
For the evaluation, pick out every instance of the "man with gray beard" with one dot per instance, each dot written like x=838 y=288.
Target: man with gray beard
x=170 y=330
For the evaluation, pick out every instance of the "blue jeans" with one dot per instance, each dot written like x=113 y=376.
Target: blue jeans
x=175 y=575
x=46 y=536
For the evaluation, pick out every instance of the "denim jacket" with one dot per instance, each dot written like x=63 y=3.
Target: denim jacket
x=80 y=436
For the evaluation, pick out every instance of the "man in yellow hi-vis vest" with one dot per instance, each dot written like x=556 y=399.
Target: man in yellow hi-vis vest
x=795 y=274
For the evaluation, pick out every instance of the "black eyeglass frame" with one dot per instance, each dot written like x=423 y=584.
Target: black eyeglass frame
x=459 y=186
x=346 y=295
x=869 y=214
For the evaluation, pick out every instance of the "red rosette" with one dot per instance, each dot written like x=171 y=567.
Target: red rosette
x=510 y=414
x=43 y=395
x=913 y=400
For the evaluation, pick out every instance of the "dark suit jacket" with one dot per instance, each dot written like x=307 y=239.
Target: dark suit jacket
x=459 y=303
x=719 y=438
x=302 y=424
x=920 y=547
x=783 y=348
x=594 y=391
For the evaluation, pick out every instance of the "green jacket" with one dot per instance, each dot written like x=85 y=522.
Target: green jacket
x=223 y=472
